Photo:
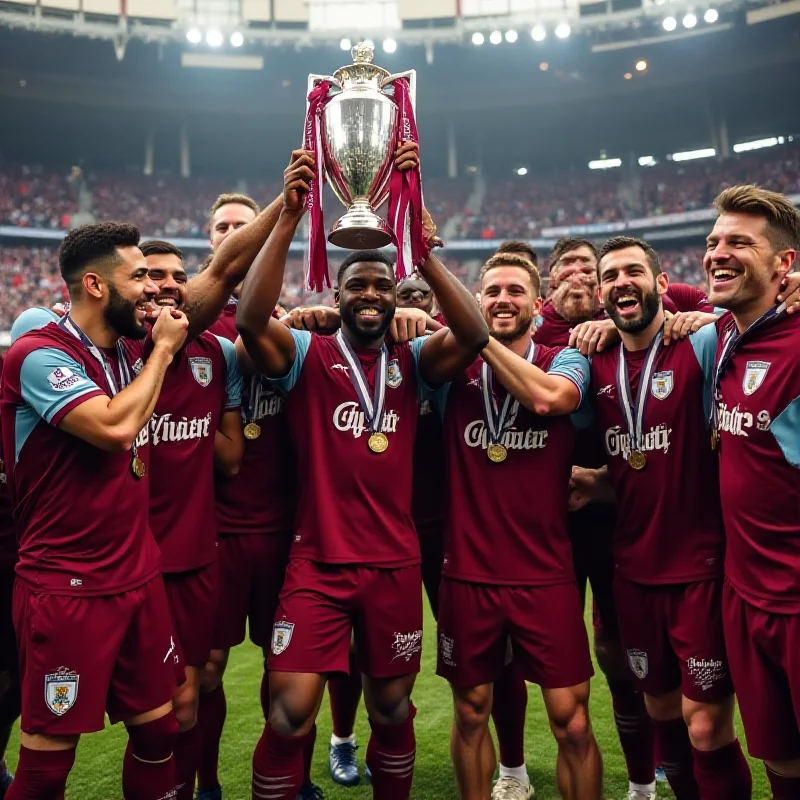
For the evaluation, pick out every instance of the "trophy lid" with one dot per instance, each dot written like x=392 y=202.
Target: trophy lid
x=362 y=70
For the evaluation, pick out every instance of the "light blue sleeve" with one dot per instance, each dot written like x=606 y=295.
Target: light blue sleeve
x=786 y=430
x=425 y=391
x=570 y=364
x=233 y=386
x=704 y=345
x=50 y=380
x=302 y=341
x=32 y=319
x=439 y=398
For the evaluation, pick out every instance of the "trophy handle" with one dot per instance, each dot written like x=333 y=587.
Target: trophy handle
x=313 y=80
x=412 y=84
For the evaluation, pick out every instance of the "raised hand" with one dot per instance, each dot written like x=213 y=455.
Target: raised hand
x=170 y=329
x=297 y=178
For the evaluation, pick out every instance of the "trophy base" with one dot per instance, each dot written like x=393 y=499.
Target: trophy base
x=360 y=229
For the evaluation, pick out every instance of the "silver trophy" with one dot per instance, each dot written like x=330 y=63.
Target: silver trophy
x=359 y=137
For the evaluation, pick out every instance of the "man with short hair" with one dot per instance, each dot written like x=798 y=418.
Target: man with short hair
x=520 y=248
x=90 y=609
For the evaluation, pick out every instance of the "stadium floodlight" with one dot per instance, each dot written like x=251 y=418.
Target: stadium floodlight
x=647 y=161
x=743 y=147
x=670 y=23
x=538 y=33
x=605 y=163
x=522 y=171
x=194 y=36
x=511 y=37
x=711 y=16
x=477 y=38
x=389 y=45
x=641 y=65
x=690 y=155
x=213 y=38
x=495 y=37
x=237 y=40
x=689 y=21
x=345 y=44
x=563 y=30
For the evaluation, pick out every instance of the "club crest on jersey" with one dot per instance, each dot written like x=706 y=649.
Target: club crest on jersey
x=661 y=385
x=754 y=374
x=61 y=690
x=201 y=369
x=281 y=636
x=393 y=375
x=637 y=661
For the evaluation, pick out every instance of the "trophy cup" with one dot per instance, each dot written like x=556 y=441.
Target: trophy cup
x=359 y=134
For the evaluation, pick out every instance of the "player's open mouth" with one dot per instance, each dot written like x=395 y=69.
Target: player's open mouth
x=142 y=309
x=369 y=313
x=504 y=314
x=627 y=303
x=723 y=275
x=166 y=302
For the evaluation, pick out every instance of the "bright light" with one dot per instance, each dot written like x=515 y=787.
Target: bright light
x=605 y=163
x=213 y=38
x=345 y=44
x=194 y=36
x=647 y=161
x=711 y=16
x=628 y=76
x=389 y=45
x=641 y=65
x=237 y=40
x=538 y=33
x=522 y=171
x=477 y=38
x=689 y=21
x=690 y=155
x=511 y=37
x=743 y=147
x=495 y=37
x=563 y=30
x=670 y=23
x=544 y=66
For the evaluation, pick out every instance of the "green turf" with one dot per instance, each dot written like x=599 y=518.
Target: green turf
x=96 y=775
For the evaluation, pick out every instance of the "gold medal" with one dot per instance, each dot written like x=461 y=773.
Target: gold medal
x=378 y=442
x=252 y=431
x=138 y=468
x=497 y=453
x=637 y=460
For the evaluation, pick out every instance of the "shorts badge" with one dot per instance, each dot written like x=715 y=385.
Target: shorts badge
x=61 y=690
x=637 y=661
x=393 y=375
x=661 y=385
x=201 y=369
x=281 y=636
x=754 y=374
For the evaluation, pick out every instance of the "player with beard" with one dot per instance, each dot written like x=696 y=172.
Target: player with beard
x=354 y=564
x=90 y=610
x=651 y=404
x=507 y=428
x=756 y=419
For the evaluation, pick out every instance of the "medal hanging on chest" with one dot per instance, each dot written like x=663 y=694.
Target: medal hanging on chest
x=497 y=419
x=252 y=430
x=372 y=406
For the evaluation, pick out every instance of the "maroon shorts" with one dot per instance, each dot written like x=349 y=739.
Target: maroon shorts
x=192 y=597
x=673 y=639
x=251 y=570
x=544 y=623
x=764 y=652
x=321 y=604
x=431 y=546
x=81 y=657
x=9 y=659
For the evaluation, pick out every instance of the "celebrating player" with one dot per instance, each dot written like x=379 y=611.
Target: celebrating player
x=91 y=614
x=354 y=565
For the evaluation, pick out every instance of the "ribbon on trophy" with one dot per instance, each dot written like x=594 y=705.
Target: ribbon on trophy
x=318 y=278
x=405 y=193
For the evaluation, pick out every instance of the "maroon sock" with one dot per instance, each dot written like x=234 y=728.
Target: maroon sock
x=675 y=753
x=390 y=756
x=508 y=712
x=308 y=753
x=148 y=780
x=723 y=774
x=210 y=721
x=783 y=788
x=265 y=695
x=277 y=766
x=635 y=730
x=345 y=695
x=41 y=774
x=187 y=758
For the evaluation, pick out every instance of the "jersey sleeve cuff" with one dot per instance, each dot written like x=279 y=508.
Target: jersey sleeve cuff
x=58 y=412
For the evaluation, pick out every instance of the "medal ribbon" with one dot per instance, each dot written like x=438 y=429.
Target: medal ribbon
x=372 y=407
x=497 y=418
x=633 y=411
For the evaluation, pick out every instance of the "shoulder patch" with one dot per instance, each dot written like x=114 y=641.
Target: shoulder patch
x=63 y=378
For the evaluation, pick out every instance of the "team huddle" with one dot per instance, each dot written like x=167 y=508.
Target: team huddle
x=184 y=462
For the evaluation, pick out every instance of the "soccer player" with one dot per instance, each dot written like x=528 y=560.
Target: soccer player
x=352 y=405
x=520 y=248
x=751 y=249
x=651 y=403
x=90 y=610
x=507 y=430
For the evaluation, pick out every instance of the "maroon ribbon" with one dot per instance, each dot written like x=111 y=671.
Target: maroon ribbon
x=405 y=193
x=318 y=278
